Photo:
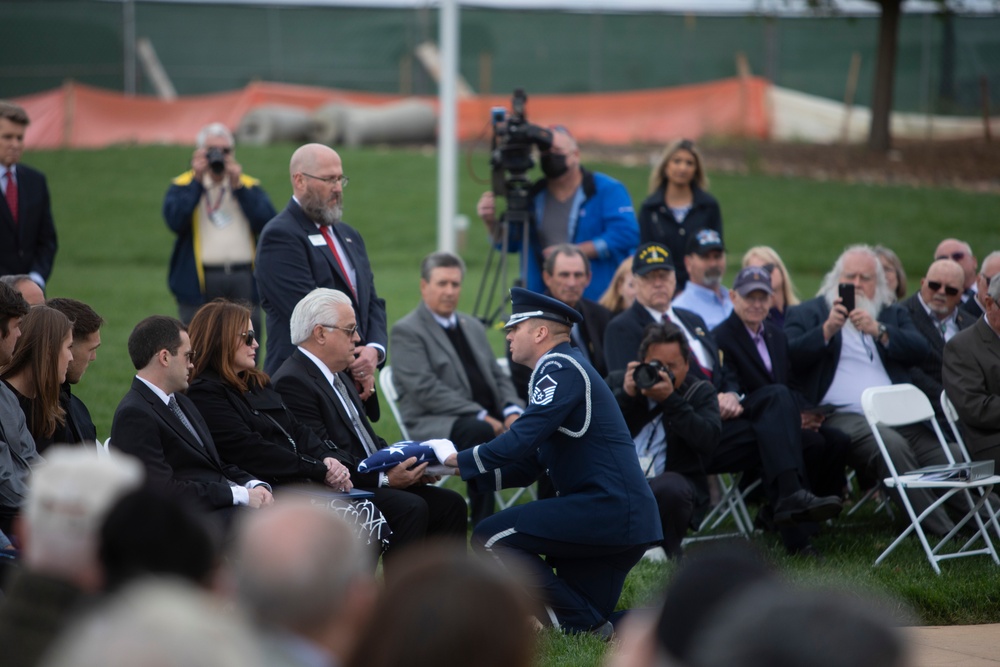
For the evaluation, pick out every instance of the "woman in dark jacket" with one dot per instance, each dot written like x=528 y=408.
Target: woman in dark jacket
x=678 y=206
x=251 y=426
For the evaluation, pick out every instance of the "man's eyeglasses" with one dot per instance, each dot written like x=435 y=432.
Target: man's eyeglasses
x=957 y=256
x=948 y=289
x=248 y=337
x=342 y=181
x=347 y=330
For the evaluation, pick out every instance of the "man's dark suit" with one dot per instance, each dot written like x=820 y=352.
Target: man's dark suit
x=971 y=374
x=624 y=334
x=814 y=361
x=29 y=245
x=926 y=375
x=79 y=425
x=292 y=260
x=823 y=450
x=413 y=512
x=146 y=428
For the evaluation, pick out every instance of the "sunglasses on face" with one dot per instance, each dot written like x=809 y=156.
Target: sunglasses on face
x=948 y=289
x=248 y=337
x=957 y=256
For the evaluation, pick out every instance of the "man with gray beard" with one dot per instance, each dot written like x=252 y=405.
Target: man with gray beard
x=704 y=294
x=837 y=354
x=307 y=246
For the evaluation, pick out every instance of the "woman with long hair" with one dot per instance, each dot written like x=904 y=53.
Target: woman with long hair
x=678 y=205
x=621 y=292
x=37 y=370
x=251 y=426
x=785 y=294
x=895 y=274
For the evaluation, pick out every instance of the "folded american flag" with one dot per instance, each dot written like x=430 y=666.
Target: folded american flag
x=431 y=451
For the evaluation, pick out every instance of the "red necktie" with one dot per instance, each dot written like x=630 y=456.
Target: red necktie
x=328 y=235
x=11 y=194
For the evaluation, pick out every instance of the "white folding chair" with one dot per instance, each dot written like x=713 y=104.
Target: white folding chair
x=504 y=365
x=391 y=396
x=902 y=405
x=951 y=416
x=103 y=448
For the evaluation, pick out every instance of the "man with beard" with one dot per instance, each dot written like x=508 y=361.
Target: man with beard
x=704 y=294
x=307 y=246
x=836 y=354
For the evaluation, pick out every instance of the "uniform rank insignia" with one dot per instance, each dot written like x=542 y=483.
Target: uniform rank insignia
x=544 y=391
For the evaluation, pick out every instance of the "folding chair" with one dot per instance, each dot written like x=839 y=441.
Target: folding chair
x=951 y=416
x=391 y=396
x=870 y=494
x=902 y=405
x=731 y=505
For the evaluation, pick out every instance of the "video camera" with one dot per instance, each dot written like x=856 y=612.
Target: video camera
x=510 y=160
x=513 y=139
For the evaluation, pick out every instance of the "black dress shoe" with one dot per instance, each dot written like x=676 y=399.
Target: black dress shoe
x=804 y=506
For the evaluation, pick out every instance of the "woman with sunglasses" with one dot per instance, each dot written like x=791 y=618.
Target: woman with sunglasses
x=250 y=424
x=785 y=294
x=37 y=370
x=678 y=205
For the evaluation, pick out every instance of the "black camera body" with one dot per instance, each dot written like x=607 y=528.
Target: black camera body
x=216 y=160
x=513 y=139
x=648 y=374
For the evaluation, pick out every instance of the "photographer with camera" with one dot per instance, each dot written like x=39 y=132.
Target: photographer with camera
x=570 y=205
x=217 y=212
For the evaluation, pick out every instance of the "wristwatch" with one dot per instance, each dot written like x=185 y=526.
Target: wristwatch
x=882 y=331
x=383 y=480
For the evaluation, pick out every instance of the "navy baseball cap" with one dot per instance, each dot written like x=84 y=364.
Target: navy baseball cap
x=526 y=305
x=651 y=257
x=705 y=241
x=752 y=278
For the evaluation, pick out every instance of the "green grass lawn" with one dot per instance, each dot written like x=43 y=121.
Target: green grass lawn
x=114 y=250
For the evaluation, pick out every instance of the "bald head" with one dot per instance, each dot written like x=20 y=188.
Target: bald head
x=961 y=252
x=318 y=182
x=297 y=564
x=941 y=289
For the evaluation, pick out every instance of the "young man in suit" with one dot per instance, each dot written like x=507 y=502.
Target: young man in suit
x=308 y=246
x=936 y=313
x=27 y=232
x=161 y=427
x=87 y=323
x=315 y=386
x=449 y=382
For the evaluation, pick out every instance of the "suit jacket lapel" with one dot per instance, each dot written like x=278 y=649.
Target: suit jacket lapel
x=988 y=338
x=327 y=389
x=750 y=348
x=168 y=417
x=310 y=229
x=484 y=359
x=779 y=366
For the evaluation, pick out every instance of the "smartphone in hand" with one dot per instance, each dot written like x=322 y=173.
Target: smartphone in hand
x=847 y=295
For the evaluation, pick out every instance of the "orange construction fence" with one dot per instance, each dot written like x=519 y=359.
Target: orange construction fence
x=80 y=116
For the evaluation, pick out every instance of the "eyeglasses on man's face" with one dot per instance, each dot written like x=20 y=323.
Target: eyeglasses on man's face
x=347 y=330
x=958 y=256
x=342 y=181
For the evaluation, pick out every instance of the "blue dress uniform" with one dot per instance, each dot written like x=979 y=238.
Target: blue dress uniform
x=603 y=515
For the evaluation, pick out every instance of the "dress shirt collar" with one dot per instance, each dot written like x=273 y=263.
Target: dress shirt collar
x=445 y=322
x=327 y=373
x=156 y=390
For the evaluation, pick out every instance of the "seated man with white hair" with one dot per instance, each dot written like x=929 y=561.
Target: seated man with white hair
x=837 y=353
x=314 y=384
x=67 y=501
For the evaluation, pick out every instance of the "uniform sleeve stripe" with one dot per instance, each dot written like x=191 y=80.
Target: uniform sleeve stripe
x=479 y=461
x=499 y=536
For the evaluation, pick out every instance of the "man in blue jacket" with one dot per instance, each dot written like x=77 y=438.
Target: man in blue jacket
x=571 y=205
x=582 y=542
x=217 y=212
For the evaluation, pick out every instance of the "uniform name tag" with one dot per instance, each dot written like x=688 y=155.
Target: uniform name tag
x=317 y=239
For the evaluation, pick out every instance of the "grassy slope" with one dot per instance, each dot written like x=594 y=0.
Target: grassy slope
x=114 y=250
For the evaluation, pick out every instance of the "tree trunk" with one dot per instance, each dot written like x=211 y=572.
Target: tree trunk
x=880 y=137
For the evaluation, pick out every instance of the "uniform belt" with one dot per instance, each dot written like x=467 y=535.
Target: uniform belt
x=230 y=267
